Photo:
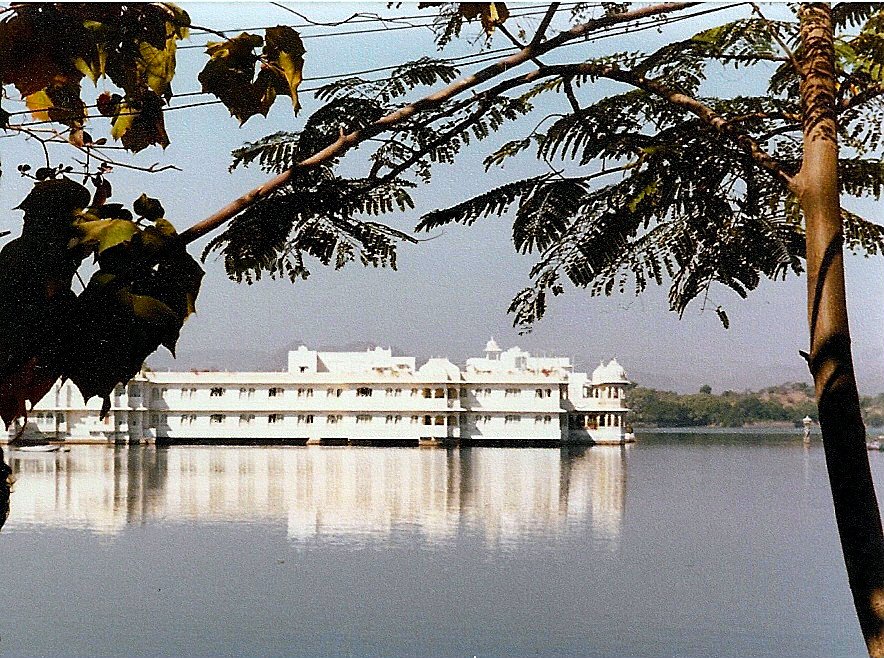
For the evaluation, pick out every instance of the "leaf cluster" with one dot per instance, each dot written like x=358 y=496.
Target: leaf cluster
x=143 y=289
x=47 y=49
x=230 y=72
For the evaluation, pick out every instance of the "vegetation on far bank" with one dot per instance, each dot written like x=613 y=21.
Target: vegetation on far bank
x=786 y=403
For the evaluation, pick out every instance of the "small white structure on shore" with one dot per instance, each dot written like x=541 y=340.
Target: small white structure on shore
x=338 y=397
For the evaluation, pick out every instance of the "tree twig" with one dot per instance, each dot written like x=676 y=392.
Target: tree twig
x=569 y=92
x=776 y=36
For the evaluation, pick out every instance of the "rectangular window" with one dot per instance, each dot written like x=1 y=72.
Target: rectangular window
x=274 y=392
x=440 y=420
x=439 y=393
x=275 y=418
x=363 y=392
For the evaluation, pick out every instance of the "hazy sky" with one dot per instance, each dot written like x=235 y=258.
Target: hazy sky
x=451 y=293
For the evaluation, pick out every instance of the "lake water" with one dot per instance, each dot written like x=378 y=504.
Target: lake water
x=679 y=545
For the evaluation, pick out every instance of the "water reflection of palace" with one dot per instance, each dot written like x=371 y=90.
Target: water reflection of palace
x=503 y=493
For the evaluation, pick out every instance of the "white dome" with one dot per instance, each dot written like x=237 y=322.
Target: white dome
x=613 y=373
x=440 y=369
x=491 y=346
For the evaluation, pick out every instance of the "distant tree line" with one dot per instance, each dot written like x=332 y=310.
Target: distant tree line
x=784 y=403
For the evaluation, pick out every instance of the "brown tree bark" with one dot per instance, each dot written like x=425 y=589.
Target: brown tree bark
x=830 y=360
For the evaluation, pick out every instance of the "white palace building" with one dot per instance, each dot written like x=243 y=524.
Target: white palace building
x=351 y=397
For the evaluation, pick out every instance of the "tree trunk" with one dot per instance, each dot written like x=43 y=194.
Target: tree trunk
x=5 y=486
x=830 y=360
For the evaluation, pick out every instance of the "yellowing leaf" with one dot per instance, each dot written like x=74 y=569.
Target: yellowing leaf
x=95 y=68
x=490 y=14
x=122 y=121
x=158 y=66
x=39 y=103
x=284 y=51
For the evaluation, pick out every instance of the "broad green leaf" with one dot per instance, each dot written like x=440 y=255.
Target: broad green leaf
x=148 y=207
x=103 y=234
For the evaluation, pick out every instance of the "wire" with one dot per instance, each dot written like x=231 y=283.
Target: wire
x=475 y=58
x=323 y=35
x=364 y=18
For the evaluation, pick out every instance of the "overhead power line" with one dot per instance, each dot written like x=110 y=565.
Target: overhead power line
x=365 y=18
x=340 y=33
x=463 y=60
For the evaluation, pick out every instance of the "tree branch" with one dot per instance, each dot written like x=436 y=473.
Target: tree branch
x=867 y=94
x=544 y=23
x=695 y=107
x=569 y=93
x=435 y=99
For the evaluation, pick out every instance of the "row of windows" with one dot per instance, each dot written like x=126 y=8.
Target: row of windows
x=244 y=419
x=362 y=391
x=513 y=418
x=43 y=418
